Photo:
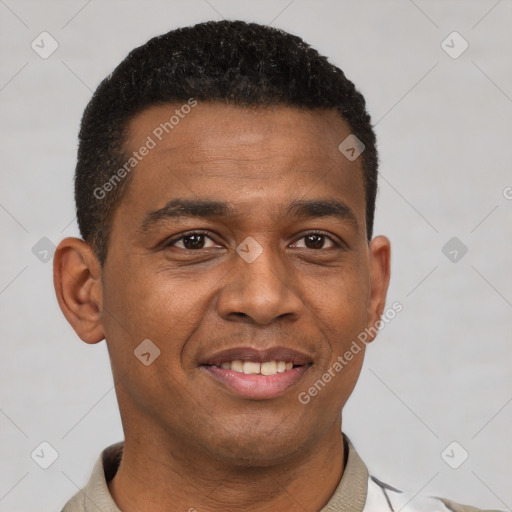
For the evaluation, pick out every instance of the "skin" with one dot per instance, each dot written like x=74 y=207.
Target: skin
x=190 y=441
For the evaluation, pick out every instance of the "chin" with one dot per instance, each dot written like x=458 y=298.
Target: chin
x=260 y=458
x=252 y=448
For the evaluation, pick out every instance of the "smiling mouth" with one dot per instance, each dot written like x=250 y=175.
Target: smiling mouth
x=249 y=379
x=257 y=375
x=255 y=368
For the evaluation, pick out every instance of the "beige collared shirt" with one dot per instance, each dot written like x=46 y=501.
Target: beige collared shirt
x=356 y=492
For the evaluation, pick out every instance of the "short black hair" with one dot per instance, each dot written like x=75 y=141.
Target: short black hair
x=230 y=62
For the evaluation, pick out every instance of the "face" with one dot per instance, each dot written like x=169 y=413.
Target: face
x=239 y=249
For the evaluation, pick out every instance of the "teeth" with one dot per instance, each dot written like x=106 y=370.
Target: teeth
x=237 y=366
x=254 y=368
x=269 y=368
x=250 y=367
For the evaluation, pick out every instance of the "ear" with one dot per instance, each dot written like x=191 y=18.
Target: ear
x=380 y=258
x=77 y=282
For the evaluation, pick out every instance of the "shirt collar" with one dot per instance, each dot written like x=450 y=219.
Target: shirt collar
x=350 y=495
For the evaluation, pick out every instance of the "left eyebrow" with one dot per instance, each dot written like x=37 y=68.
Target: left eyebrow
x=305 y=209
x=317 y=208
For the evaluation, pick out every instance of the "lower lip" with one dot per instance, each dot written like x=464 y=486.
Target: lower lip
x=257 y=387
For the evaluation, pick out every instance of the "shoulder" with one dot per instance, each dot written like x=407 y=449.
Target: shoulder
x=383 y=497
x=95 y=495
x=455 y=507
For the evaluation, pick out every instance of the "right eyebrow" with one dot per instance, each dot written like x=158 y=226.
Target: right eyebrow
x=180 y=208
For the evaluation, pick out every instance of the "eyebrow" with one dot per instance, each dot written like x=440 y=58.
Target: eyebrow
x=306 y=209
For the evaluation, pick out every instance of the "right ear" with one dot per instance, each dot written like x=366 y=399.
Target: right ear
x=77 y=281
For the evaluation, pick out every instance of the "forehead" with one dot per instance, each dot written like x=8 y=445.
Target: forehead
x=211 y=127
x=239 y=155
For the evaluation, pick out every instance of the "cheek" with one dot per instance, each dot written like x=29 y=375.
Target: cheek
x=156 y=308
x=347 y=314
x=153 y=305
x=340 y=303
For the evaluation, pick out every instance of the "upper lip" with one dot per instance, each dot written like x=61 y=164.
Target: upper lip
x=258 y=356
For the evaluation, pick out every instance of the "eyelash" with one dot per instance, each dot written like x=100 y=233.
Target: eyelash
x=206 y=233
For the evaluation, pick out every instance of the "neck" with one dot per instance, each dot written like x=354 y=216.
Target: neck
x=152 y=478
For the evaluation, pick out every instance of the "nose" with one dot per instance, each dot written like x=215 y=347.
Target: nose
x=263 y=290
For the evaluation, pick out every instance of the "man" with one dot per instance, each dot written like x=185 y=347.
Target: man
x=225 y=192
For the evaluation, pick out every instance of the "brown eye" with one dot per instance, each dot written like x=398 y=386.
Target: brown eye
x=192 y=241
x=317 y=241
x=314 y=241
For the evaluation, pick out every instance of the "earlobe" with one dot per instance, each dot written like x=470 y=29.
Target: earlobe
x=380 y=270
x=77 y=282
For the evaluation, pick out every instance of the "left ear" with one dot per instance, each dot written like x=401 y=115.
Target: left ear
x=380 y=258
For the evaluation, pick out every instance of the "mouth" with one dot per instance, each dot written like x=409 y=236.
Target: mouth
x=255 y=374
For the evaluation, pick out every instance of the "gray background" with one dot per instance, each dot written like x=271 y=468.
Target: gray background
x=439 y=372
